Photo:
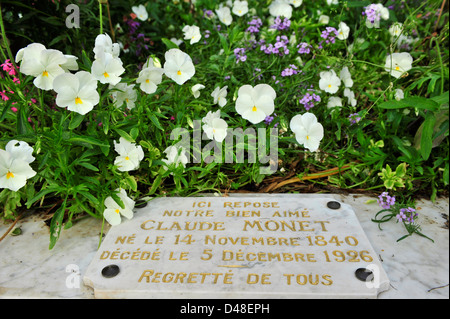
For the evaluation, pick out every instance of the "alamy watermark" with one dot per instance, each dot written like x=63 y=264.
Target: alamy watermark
x=73 y=19
x=74 y=277
x=250 y=147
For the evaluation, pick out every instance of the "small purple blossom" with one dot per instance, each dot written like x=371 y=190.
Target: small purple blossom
x=281 y=24
x=354 y=118
x=308 y=100
x=280 y=47
x=401 y=216
x=254 y=25
x=269 y=119
x=329 y=35
x=291 y=70
x=385 y=201
x=240 y=55
x=304 y=48
x=372 y=13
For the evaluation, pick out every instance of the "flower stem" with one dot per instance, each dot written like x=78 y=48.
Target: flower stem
x=5 y=39
x=100 y=16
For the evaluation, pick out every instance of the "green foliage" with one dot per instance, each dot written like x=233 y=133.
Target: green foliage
x=75 y=153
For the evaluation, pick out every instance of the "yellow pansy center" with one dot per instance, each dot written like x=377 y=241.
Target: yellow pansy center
x=329 y=85
x=9 y=175
x=78 y=100
x=397 y=68
x=127 y=158
x=117 y=211
x=147 y=81
x=254 y=109
x=45 y=73
x=106 y=75
x=179 y=72
x=307 y=137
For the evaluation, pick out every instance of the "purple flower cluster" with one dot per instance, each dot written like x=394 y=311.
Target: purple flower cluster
x=404 y=212
x=329 y=35
x=304 y=48
x=133 y=25
x=208 y=13
x=269 y=119
x=255 y=24
x=308 y=100
x=385 y=201
x=281 y=24
x=240 y=55
x=280 y=47
x=354 y=118
x=291 y=70
x=372 y=13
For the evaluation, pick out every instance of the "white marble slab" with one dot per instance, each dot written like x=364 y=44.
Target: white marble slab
x=416 y=267
x=260 y=247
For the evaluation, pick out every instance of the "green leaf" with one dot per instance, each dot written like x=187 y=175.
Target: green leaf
x=23 y=127
x=56 y=224
x=155 y=121
x=131 y=181
x=90 y=197
x=413 y=101
x=169 y=44
x=125 y=135
x=118 y=200
x=75 y=121
x=89 y=166
x=426 y=142
x=134 y=133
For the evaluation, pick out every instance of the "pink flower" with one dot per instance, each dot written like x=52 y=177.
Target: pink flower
x=14 y=109
x=4 y=96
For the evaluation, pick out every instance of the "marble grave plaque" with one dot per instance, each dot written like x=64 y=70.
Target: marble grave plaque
x=271 y=246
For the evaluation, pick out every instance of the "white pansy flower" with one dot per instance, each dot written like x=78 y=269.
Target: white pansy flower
x=334 y=101
x=113 y=211
x=129 y=157
x=343 y=31
x=307 y=130
x=329 y=81
x=398 y=63
x=149 y=78
x=124 y=93
x=104 y=44
x=14 y=172
x=240 y=8
x=219 y=95
x=399 y=95
x=175 y=155
x=31 y=51
x=224 y=15
x=346 y=77
x=45 y=65
x=351 y=96
x=77 y=92
x=192 y=33
x=324 y=19
x=195 y=90
x=296 y=3
x=280 y=8
x=107 y=69
x=176 y=41
x=255 y=103
x=140 y=12
x=396 y=29
x=21 y=151
x=214 y=127
x=178 y=66
x=71 y=64
x=330 y=2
